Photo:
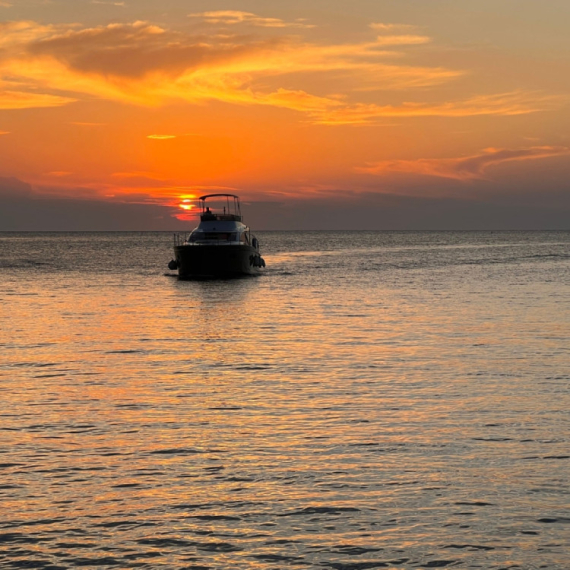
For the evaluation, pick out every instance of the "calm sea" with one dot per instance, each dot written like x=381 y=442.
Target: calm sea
x=374 y=400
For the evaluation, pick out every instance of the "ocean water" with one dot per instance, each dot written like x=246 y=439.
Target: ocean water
x=374 y=400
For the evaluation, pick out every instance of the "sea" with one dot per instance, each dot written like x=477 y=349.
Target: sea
x=393 y=400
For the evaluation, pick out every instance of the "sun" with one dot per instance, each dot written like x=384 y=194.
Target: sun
x=186 y=203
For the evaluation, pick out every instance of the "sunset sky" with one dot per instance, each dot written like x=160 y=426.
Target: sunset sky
x=361 y=114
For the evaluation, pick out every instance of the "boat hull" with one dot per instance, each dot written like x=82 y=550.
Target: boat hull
x=216 y=261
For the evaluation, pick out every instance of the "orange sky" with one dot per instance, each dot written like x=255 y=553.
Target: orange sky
x=153 y=102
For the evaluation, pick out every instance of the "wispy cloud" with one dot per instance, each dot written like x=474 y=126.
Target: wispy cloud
x=463 y=168
x=233 y=17
x=18 y=34
x=4 y=133
x=161 y=137
x=381 y=27
x=144 y=64
x=27 y=100
x=505 y=104
x=6 y=4
x=401 y=40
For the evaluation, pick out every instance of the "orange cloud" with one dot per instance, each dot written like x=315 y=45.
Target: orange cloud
x=144 y=64
x=403 y=40
x=13 y=34
x=231 y=17
x=137 y=187
x=141 y=51
x=463 y=168
x=378 y=26
x=26 y=100
x=161 y=137
x=514 y=103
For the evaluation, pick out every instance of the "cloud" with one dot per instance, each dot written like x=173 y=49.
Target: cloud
x=141 y=201
x=372 y=211
x=505 y=104
x=144 y=64
x=161 y=137
x=463 y=168
x=26 y=100
x=380 y=27
x=128 y=52
x=403 y=40
x=10 y=186
x=232 y=17
x=328 y=111
x=4 y=133
x=19 y=213
x=5 y=5
x=17 y=34
x=136 y=187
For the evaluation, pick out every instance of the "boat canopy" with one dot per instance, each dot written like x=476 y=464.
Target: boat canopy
x=207 y=196
x=225 y=208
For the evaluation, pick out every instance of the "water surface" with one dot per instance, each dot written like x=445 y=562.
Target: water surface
x=374 y=400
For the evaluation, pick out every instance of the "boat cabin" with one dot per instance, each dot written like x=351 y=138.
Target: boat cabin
x=220 y=224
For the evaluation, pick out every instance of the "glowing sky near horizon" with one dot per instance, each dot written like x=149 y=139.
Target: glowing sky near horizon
x=155 y=102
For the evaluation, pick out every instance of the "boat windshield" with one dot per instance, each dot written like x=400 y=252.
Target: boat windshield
x=198 y=236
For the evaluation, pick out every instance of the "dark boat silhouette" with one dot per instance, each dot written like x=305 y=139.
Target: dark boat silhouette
x=221 y=246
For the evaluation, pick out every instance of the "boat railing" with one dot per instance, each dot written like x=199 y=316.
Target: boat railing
x=182 y=239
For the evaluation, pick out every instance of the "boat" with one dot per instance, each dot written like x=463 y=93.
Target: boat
x=221 y=246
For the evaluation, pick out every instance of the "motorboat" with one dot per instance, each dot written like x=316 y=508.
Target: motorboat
x=221 y=246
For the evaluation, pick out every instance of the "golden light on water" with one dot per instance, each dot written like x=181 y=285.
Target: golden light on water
x=376 y=397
